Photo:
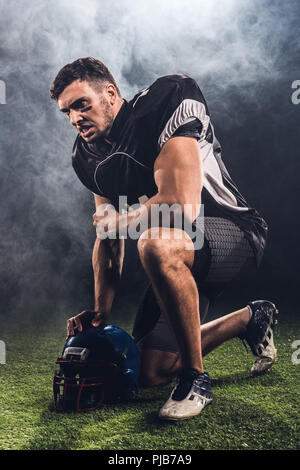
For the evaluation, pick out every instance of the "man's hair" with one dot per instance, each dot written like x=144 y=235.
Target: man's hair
x=85 y=69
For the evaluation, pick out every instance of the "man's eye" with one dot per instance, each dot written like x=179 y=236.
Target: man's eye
x=80 y=105
x=86 y=108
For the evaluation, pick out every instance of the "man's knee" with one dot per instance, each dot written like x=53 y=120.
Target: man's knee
x=151 y=245
x=161 y=246
x=149 y=379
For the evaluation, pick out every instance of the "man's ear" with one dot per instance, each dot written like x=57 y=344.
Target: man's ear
x=111 y=93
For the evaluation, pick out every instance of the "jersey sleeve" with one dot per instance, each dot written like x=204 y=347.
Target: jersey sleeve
x=192 y=128
x=183 y=111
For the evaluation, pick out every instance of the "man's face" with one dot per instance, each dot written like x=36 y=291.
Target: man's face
x=89 y=110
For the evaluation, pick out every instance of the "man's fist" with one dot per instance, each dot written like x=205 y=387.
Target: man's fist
x=106 y=221
x=83 y=320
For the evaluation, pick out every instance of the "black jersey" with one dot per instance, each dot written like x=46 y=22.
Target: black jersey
x=172 y=106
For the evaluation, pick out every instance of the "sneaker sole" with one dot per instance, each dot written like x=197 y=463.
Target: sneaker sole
x=170 y=418
x=270 y=341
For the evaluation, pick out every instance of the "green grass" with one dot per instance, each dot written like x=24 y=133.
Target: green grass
x=247 y=413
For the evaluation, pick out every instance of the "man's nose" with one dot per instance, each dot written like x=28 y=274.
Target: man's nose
x=75 y=117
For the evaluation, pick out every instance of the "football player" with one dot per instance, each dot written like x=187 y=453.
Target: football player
x=159 y=148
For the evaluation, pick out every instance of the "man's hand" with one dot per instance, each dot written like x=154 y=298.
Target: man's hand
x=106 y=221
x=83 y=320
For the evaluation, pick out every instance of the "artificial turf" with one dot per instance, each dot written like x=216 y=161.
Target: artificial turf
x=247 y=412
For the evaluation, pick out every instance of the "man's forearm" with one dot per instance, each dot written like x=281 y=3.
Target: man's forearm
x=146 y=214
x=107 y=260
x=110 y=224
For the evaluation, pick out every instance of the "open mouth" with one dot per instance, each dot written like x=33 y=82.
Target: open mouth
x=86 y=130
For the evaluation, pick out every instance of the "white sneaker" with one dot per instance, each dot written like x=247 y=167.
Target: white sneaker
x=191 y=394
x=265 y=360
x=260 y=335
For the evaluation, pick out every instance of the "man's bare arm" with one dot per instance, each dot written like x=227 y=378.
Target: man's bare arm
x=107 y=260
x=108 y=256
x=178 y=176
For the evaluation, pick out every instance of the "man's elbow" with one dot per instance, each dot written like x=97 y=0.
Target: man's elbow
x=187 y=207
x=192 y=210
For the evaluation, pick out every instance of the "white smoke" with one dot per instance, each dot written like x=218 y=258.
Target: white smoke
x=233 y=41
x=230 y=47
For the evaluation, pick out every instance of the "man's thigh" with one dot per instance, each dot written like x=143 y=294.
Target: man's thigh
x=228 y=250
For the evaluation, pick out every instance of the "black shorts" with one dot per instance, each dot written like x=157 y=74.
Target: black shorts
x=224 y=253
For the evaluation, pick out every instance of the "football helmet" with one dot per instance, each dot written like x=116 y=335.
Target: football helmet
x=99 y=364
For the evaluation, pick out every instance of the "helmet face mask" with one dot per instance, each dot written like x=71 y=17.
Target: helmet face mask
x=85 y=379
x=81 y=387
x=75 y=395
